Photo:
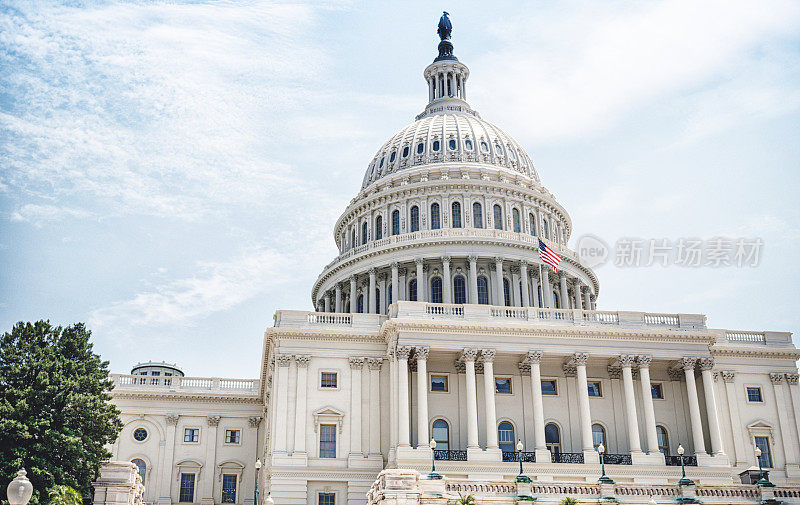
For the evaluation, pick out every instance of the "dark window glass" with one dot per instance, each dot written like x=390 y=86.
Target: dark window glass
x=498 y=218
x=412 y=290
x=663 y=440
x=186 y=494
x=352 y=238
x=378 y=228
x=436 y=290
x=754 y=395
x=229 y=489
x=549 y=387
x=420 y=148
x=396 y=222
x=483 y=290
x=552 y=438
x=532 y=223
x=327 y=499
x=438 y=383
x=139 y=434
x=360 y=303
x=451 y=144
x=405 y=151
x=502 y=385
x=456 y=211
x=477 y=215
x=327 y=441
x=766 y=457
x=382 y=160
x=364 y=232
x=505 y=436
x=232 y=436
x=141 y=467
x=515 y=219
x=598 y=435
x=435 y=217
x=414 y=218
x=392 y=156
x=441 y=433
x=459 y=290
x=378 y=300
x=595 y=389
x=389 y=293
x=506 y=293
x=435 y=145
x=328 y=380
x=656 y=391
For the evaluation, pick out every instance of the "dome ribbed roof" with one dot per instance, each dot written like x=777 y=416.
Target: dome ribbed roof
x=457 y=137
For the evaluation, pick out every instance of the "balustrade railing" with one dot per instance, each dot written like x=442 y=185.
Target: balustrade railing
x=567 y=457
x=444 y=309
x=617 y=459
x=456 y=455
x=750 y=337
x=330 y=318
x=527 y=457
x=676 y=460
x=177 y=383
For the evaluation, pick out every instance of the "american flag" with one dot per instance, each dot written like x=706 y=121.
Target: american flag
x=548 y=256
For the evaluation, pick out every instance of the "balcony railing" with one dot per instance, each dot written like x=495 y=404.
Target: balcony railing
x=567 y=457
x=676 y=460
x=450 y=455
x=617 y=459
x=188 y=384
x=527 y=457
x=749 y=337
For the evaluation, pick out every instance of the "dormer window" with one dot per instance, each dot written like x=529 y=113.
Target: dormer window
x=421 y=148
x=468 y=145
x=451 y=144
x=435 y=145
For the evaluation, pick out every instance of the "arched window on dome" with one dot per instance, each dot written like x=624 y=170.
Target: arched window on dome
x=505 y=437
x=396 y=222
x=405 y=152
x=412 y=290
x=483 y=290
x=456 y=214
x=499 y=149
x=392 y=156
x=352 y=238
x=511 y=154
x=436 y=145
x=532 y=223
x=360 y=303
x=378 y=301
x=382 y=160
x=515 y=220
x=378 y=228
x=468 y=145
x=459 y=289
x=364 y=232
x=451 y=144
x=436 y=289
x=484 y=147
x=421 y=148
x=498 y=217
x=477 y=215
x=506 y=292
x=436 y=221
x=414 y=218
x=545 y=231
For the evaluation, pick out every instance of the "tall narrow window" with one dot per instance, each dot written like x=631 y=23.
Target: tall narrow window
x=352 y=238
x=456 y=211
x=505 y=436
x=545 y=231
x=532 y=223
x=186 y=493
x=435 y=217
x=396 y=222
x=477 y=215
x=459 y=289
x=360 y=304
x=378 y=300
x=598 y=435
x=414 y=218
x=506 y=292
x=498 y=217
x=327 y=440
x=556 y=301
x=766 y=457
x=412 y=290
x=389 y=294
x=483 y=290
x=441 y=433
x=436 y=290
x=378 y=228
x=364 y=232
x=515 y=219
x=228 y=488
x=141 y=467
x=663 y=440
x=552 y=438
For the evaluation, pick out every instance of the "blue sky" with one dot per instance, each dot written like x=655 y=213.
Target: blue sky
x=170 y=172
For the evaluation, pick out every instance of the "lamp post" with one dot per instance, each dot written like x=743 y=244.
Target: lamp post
x=20 y=489
x=684 y=481
x=255 y=491
x=763 y=481
x=433 y=475
x=521 y=477
x=604 y=479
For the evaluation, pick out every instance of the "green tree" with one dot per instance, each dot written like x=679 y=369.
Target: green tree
x=569 y=501
x=465 y=500
x=55 y=414
x=64 y=495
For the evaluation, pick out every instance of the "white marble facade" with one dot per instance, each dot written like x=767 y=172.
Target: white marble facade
x=438 y=320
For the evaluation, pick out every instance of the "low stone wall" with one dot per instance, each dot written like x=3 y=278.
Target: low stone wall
x=119 y=484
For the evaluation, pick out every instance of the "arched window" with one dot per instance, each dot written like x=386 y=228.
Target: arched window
x=545 y=231
x=532 y=223
x=498 y=217
x=663 y=440
x=420 y=148
x=396 y=222
x=483 y=290
x=378 y=300
x=364 y=231
x=515 y=219
x=352 y=238
x=506 y=292
x=468 y=145
x=141 y=467
x=382 y=160
x=552 y=438
x=456 y=211
x=451 y=144
x=405 y=152
x=477 y=215
x=436 y=221
x=378 y=228
x=360 y=304
x=459 y=289
x=412 y=290
x=392 y=156
x=505 y=436
x=484 y=147
x=436 y=290
x=598 y=435
x=556 y=300
x=435 y=145
x=441 y=433
x=414 y=218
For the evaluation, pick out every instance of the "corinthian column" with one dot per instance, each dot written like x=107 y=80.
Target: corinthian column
x=468 y=356
x=523 y=273
x=422 y=396
x=534 y=358
x=706 y=364
x=647 y=398
x=694 y=406
x=353 y=294
x=302 y=361
x=338 y=305
x=446 y=280
x=579 y=360
x=562 y=296
x=402 y=379
x=498 y=281
x=420 y=279
x=374 y=406
x=473 y=279
x=395 y=282
x=356 y=366
x=627 y=362
x=576 y=292
x=547 y=292
x=373 y=306
x=487 y=356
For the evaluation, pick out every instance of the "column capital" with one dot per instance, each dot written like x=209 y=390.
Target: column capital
x=627 y=360
x=353 y=278
x=614 y=372
x=473 y=258
x=213 y=420
x=403 y=271
x=791 y=378
x=644 y=360
x=776 y=378
x=728 y=375
x=302 y=360
x=576 y=283
x=403 y=351
x=445 y=259
x=580 y=358
x=422 y=352
x=688 y=363
x=172 y=419
x=533 y=357
x=419 y=261
x=357 y=363
x=586 y=290
x=675 y=374
x=460 y=366
x=373 y=271
x=498 y=260
x=487 y=355
x=469 y=354
x=395 y=265
x=562 y=274
x=523 y=264
x=706 y=363
x=283 y=359
x=375 y=363
x=254 y=421
x=570 y=370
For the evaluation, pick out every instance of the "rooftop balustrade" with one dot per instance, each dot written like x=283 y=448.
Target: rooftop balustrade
x=150 y=383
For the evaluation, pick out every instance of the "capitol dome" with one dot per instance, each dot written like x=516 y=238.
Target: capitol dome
x=451 y=211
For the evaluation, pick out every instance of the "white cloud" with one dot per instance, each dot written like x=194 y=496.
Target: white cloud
x=37 y=214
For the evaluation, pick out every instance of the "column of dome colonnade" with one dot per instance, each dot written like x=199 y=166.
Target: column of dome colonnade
x=373 y=290
x=472 y=362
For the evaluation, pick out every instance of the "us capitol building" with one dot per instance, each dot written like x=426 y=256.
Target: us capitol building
x=438 y=321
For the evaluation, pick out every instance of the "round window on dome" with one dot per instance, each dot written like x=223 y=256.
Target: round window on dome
x=392 y=156
x=420 y=147
x=484 y=147
x=452 y=144
x=405 y=151
x=435 y=145
x=140 y=434
x=468 y=145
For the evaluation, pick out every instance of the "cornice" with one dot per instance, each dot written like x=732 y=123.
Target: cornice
x=757 y=352
x=194 y=397
x=350 y=335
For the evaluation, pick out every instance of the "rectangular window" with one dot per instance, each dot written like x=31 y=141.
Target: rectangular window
x=327 y=441
x=232 y=436
x=326 y=499
x=228 y=488
x=328 y=380
x=191 y=435
x=502 y=385
x=187 y=488
x=766 y=458
x=549 y=387
x=754 y=394
x=439 y=383
x=595 y=389
x=656 y=391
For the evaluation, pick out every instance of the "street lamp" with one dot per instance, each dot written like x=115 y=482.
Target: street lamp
x=520 y=477
x=433 y=475
x=255 y=492
x=20 y=489
x=685 y=481
x=604 y=479
x=763 y=481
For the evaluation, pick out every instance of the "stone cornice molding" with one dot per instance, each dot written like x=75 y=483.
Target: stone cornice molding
x=757 y=352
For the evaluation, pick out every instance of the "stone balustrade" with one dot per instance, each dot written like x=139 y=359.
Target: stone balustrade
x=187 y=384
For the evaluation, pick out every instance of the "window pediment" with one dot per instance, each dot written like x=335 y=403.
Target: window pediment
x=328 y=415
